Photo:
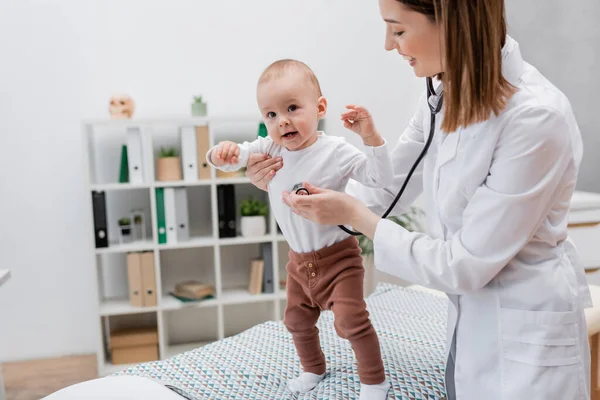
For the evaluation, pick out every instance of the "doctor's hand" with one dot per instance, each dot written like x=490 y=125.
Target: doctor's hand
x=226 y=153
x=359 y=120
x=329 y=207
x=261 y=169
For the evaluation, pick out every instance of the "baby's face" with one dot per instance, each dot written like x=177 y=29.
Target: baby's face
x=291 y=109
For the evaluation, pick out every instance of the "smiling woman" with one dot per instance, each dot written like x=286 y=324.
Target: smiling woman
x=500 y=250
x=475 y=87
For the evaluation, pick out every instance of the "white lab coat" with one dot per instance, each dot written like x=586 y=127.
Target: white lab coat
x=496 y=197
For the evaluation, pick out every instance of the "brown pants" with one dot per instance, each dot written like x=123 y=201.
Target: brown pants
x=331 y=279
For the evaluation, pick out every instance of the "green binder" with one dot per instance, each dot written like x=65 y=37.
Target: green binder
x=262 y=130
x=161 y=221
x=124 y=171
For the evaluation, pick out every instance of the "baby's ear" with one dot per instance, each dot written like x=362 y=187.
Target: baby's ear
x=322 y=106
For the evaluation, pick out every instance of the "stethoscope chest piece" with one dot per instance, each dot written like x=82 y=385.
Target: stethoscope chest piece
x=299 y=189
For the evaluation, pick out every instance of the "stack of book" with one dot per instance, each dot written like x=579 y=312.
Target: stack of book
x=193 y=291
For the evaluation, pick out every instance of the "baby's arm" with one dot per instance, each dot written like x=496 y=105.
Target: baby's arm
x=229 y=156
x=373 y=169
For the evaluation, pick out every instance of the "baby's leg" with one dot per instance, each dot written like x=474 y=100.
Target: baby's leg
x=300 y=318
x=352 y=323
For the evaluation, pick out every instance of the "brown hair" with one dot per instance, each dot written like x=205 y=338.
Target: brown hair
x=473 y=34
x=281 y=67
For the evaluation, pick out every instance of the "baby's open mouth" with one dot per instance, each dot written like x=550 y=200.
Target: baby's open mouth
x=290 y=135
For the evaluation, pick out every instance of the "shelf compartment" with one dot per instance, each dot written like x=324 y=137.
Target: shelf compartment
x=240 y=317
x=184 y=265
x=122 y=306
x=189 y=326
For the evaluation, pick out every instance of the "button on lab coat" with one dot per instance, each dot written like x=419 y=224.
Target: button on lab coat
x=496 y=197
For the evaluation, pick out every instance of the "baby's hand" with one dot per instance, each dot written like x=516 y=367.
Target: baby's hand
x=225 y=153
x=358 y=119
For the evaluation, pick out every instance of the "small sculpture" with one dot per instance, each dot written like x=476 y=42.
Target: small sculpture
x=121 y=107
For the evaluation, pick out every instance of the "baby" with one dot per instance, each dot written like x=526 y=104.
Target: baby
x=325 y=270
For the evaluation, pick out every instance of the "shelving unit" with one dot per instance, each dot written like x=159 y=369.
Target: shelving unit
x=205 y=256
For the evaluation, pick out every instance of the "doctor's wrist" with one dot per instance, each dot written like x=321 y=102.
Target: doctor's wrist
x=364 y=220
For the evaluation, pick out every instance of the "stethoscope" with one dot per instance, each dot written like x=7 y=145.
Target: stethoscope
x=435 y=102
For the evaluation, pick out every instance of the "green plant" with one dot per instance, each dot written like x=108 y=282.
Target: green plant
x=409 y=221
x=137 y=219
x=168 y=152
x=197 y=99
x=251 y=208
x=124 y=222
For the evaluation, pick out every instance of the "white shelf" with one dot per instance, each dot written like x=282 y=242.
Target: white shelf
x=122 y=307
x=163 y=184
x=183 y=120
x=198 y=241
x=170 y=303
x=140 y=245
x=207 y=241
x=175 y=349
x=238 y=180
x=215 y=317
x=242 y=296
x=245 y=240
x=98 y=187
x=228 y=297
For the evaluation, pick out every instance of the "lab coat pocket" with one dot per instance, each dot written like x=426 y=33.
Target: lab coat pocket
x=541 y=347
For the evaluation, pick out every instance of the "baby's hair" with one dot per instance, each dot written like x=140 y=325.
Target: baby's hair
x=282 y=67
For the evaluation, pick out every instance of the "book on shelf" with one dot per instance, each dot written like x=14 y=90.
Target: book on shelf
x=141 y=279
x=185 y=299
x=161 y=223
x=256 y=276
x=135 y=156
x=100 y=223
x=189 y=155
x=202 y=146
x=193 y=290
x=181 y=215
x=124 y=168
x=170 y=216
x=266 y=251
x=226 y=210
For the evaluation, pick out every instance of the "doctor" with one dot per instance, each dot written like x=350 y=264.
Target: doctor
x=497 y=181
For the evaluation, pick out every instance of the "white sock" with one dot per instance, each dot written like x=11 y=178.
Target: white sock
x=374 y=392
x=305 y=382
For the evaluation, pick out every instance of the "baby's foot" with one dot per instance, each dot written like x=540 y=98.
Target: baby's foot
x=374 y=392
x=305 y=382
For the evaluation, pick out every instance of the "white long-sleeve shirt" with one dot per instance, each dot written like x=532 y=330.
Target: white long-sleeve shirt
x=328 y=163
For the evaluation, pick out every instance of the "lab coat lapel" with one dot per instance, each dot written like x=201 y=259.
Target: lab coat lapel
x=448 y=148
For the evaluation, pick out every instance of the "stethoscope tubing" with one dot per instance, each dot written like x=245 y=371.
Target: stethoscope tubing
x=435 y=102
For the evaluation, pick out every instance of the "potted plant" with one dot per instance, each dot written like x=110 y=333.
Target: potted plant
x=411 y=221
x=169 y=165
x=125 y=235
x=199 y=108
x=253 y=222
x=139 y=225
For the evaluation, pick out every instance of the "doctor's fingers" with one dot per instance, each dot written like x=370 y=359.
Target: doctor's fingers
x=301 y=202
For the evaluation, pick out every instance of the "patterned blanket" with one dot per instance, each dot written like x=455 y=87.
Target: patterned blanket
x=257 y=363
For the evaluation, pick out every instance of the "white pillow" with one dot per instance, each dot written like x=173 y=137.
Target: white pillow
x=116 y=388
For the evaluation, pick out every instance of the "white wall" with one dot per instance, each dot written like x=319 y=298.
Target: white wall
x=60 y=61
x=562 y=39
